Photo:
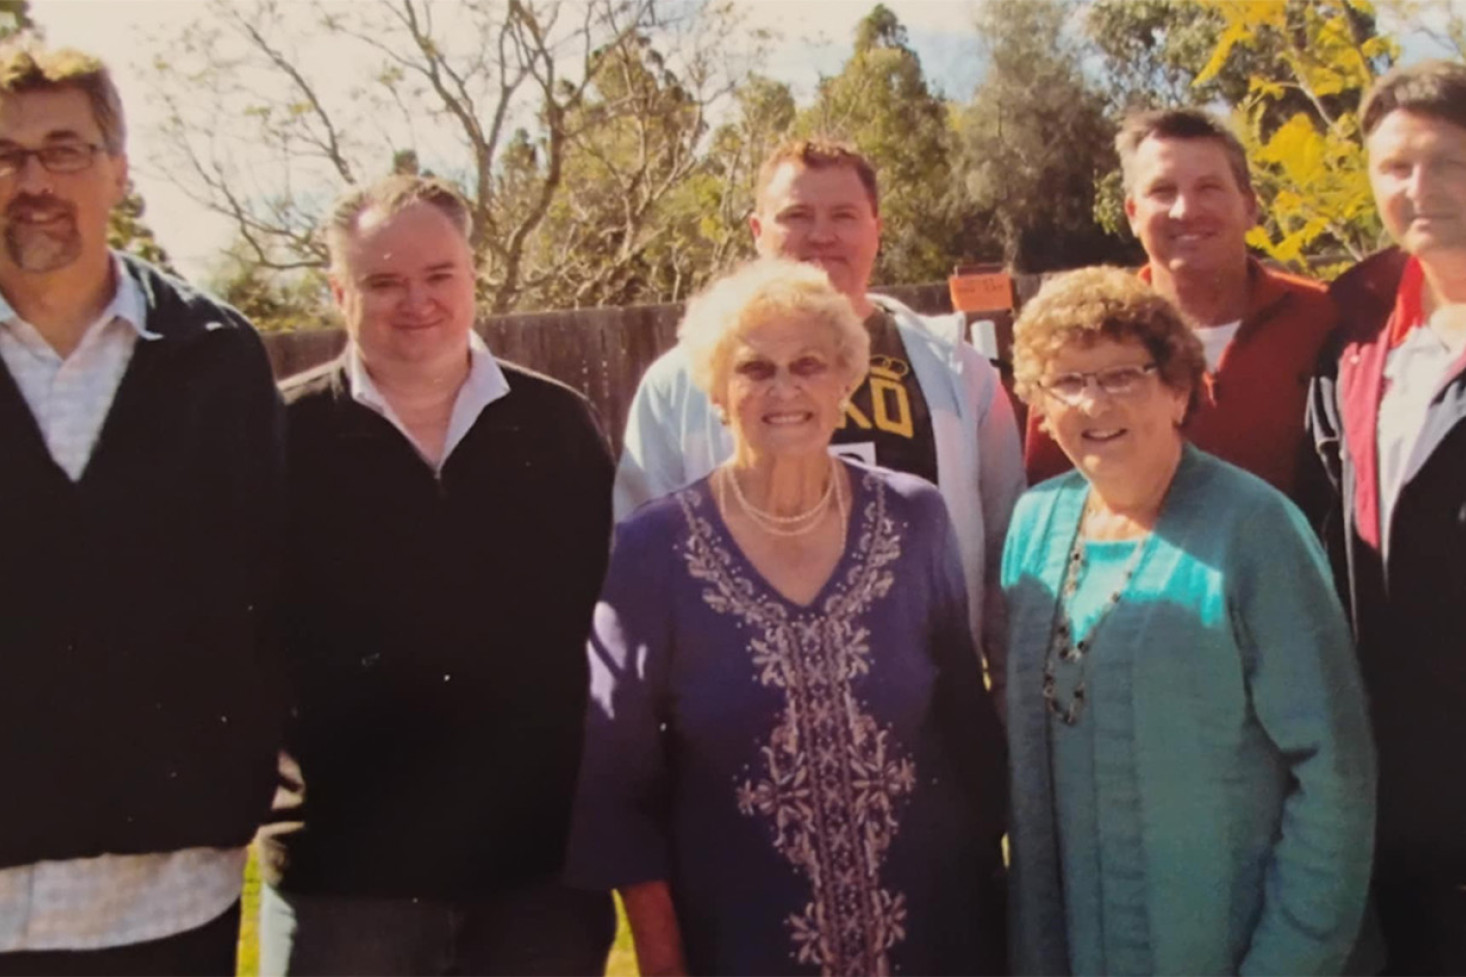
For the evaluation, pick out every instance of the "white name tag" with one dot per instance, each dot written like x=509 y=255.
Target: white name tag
x=864 y=451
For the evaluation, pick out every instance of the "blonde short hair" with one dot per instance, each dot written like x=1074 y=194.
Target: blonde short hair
x=1082 y=307
x=754 y=293
x=391 y=195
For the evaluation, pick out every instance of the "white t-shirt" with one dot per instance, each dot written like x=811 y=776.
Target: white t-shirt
x=1215 y=339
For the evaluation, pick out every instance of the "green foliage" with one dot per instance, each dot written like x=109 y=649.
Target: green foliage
x=15 y=15
x=1300 y=125
x=605 y=237
x=1035 y=140
x=881 y=103
x=127 y=231
x=709 y=212
x=273 y=301
x=1152 y=51
x=1161 y=54
x=766 y=113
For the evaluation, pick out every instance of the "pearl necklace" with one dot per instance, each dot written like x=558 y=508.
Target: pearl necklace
x=1062 y=645
x=777 y=525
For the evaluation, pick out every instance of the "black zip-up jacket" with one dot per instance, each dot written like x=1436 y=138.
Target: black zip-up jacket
x=1409 y=613
x=436 y=629
x=138 y=687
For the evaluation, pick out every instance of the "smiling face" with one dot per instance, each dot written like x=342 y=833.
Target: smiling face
x=1417 y=168
x=823 y=216
x=1185 y=206
x=783 y=389
x=405 y=285
x=52 y=220
x=1107 y=436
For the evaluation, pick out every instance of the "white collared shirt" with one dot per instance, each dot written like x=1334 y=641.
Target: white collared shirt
x=110 y=900
x=70 y=397
x=116 y=900
x=1413 y=374
x=484 y=384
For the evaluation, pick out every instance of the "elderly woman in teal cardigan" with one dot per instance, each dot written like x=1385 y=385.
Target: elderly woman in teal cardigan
x=1193 y=776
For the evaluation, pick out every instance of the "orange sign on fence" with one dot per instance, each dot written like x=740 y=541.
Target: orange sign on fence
x=981 y=292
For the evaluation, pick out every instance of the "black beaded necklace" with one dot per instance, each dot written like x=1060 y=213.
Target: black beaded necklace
x=1062 y=645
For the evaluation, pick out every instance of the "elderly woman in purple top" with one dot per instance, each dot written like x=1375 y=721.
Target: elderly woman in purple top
x=791 y=765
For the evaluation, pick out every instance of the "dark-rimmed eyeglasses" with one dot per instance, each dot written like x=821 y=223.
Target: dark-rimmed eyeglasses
x=62 y=157
x=1117 y=381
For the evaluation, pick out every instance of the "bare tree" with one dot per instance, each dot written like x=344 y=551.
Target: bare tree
x=272 y=108
x=636 y=152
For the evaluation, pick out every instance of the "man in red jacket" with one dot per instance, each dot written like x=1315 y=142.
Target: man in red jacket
x=1189 y=200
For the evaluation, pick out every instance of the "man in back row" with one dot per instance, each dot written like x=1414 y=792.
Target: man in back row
x=1189 y=200
x=931 y=405
x=1388 y=415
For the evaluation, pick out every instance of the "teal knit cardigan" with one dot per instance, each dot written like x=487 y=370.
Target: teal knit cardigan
x=1233 y=767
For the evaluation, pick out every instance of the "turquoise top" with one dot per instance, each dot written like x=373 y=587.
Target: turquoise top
x=1213 y=809
x=1072 y=768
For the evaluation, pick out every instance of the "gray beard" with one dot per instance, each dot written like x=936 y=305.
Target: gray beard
x=36 y=250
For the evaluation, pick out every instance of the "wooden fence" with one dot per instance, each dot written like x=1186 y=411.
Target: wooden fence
x=600 y=352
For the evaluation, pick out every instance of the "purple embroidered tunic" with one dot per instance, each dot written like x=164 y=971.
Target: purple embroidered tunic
x=822 y=785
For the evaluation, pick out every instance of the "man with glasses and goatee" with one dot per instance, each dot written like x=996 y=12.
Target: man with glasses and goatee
x=140 y=434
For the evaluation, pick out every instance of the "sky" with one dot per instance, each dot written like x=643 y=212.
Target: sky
x=815 y=39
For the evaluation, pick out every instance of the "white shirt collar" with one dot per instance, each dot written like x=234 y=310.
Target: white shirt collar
x=127 y=304
x=484 y=384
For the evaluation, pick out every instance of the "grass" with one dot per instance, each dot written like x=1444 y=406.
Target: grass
x=248 y=964
x=621 y=962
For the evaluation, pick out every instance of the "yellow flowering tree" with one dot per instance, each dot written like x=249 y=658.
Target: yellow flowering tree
x=1300 y=123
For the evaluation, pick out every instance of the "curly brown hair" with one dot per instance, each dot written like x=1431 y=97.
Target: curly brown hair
x=1085 y=306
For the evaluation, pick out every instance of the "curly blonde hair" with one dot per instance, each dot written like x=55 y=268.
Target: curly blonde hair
x=755 y=293
x=1082 y=307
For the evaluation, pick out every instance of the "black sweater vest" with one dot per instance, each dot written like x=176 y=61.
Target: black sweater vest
x=436 y=632
x=137 y=711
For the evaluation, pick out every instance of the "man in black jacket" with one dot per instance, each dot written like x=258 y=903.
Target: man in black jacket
x=1388 y=413
x=140 y=501
x=450 y=516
